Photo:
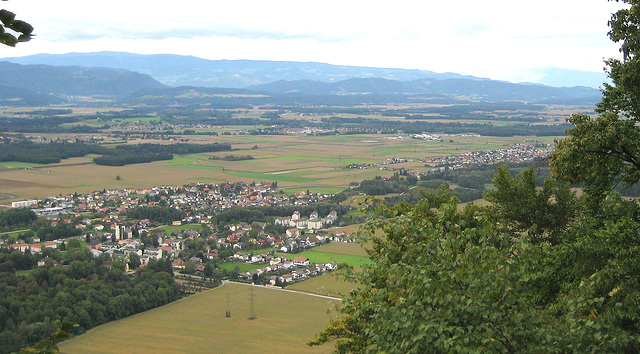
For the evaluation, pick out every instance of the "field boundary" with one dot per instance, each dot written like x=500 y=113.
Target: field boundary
x=224 y=282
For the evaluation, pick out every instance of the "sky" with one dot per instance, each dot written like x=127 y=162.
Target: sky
x=497 y=39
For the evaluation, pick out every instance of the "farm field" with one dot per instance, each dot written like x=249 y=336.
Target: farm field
x=284 y=322
x=350 y=253
x=329 y=284
x=296 y=162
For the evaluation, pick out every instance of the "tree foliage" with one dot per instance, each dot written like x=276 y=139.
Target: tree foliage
x=451 y=280
x=22 y=30
x=543 y=213
x=540 y=270
x=600 y=152
x=87 y=292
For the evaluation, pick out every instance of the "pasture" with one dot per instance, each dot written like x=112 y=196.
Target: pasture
x=351 y=253
x=329 y=284
x=332 y=284
x=284 y=322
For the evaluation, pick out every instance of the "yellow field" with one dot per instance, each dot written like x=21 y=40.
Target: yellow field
x=284 y=322
x=329 y=284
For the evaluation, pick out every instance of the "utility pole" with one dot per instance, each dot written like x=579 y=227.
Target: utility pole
x=251 y=303
x=228 y=314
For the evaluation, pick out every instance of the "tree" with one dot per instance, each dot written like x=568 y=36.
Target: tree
x=604 y=151
x=474 y=280
x=542 y=213
x=134 y=260
x=442 y=280
x=22 y=29
x=208 y=270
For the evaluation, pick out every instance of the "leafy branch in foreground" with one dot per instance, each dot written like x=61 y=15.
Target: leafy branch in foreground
x=445 y=279
x=22 y=29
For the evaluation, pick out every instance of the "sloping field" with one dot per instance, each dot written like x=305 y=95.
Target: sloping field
x=329 y=284
x=284 y=322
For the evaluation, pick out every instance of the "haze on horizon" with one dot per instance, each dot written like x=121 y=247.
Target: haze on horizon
x=497 y=39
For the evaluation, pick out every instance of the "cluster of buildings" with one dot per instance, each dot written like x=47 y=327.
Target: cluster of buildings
x=192 y=198
x=314 y=222
x=391 y=161
x=288 y=271
x=522 y=152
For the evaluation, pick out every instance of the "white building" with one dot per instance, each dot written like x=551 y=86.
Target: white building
x=24 y=203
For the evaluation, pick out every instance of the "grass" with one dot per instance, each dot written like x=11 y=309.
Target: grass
x=319 y=189
x=282 y=177
x=345 y=248
x=169 y=229
x=14 y=164
x=242 y=266
x=324 y=257
x=328 y=284
x=284 y=322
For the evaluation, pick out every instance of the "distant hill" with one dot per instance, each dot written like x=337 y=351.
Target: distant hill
x=262 y=82
x=178 y=70
x=68 y=81
x=453 y=88
x=15 y=96
x=567 y=78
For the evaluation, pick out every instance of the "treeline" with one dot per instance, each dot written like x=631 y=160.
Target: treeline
x=165 y=215
x=142 y=153
x=232 y=158
x=130 y=158
x=54 y=152
x=511 y=111
x=418 y=127
x=13 y=219
x=87 y=291
x=46 y=124
x=51 y=112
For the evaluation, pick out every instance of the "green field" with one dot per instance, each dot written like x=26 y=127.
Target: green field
x=14 y=164
x=344 y=248
x=242 y=266
x=350 y=253
x=284 y=322
x=169 y=229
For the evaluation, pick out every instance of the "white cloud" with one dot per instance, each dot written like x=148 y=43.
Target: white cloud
x=495 y=38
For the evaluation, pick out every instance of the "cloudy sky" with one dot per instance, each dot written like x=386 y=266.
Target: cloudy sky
x=498 y=39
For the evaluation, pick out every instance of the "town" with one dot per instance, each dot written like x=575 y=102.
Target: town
x=133 y=227
x=523 y=152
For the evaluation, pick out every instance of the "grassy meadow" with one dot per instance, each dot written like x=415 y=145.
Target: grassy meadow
x=332 y=284
x=284 y=322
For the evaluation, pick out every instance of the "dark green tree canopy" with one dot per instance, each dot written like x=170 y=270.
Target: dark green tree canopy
x=19 y=31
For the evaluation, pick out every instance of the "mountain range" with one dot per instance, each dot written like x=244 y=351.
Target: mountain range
x=179 y=70
x=119 y=75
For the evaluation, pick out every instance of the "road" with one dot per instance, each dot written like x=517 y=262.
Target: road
x=281 y=289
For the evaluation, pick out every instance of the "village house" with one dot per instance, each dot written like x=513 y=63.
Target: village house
x=300 y=261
